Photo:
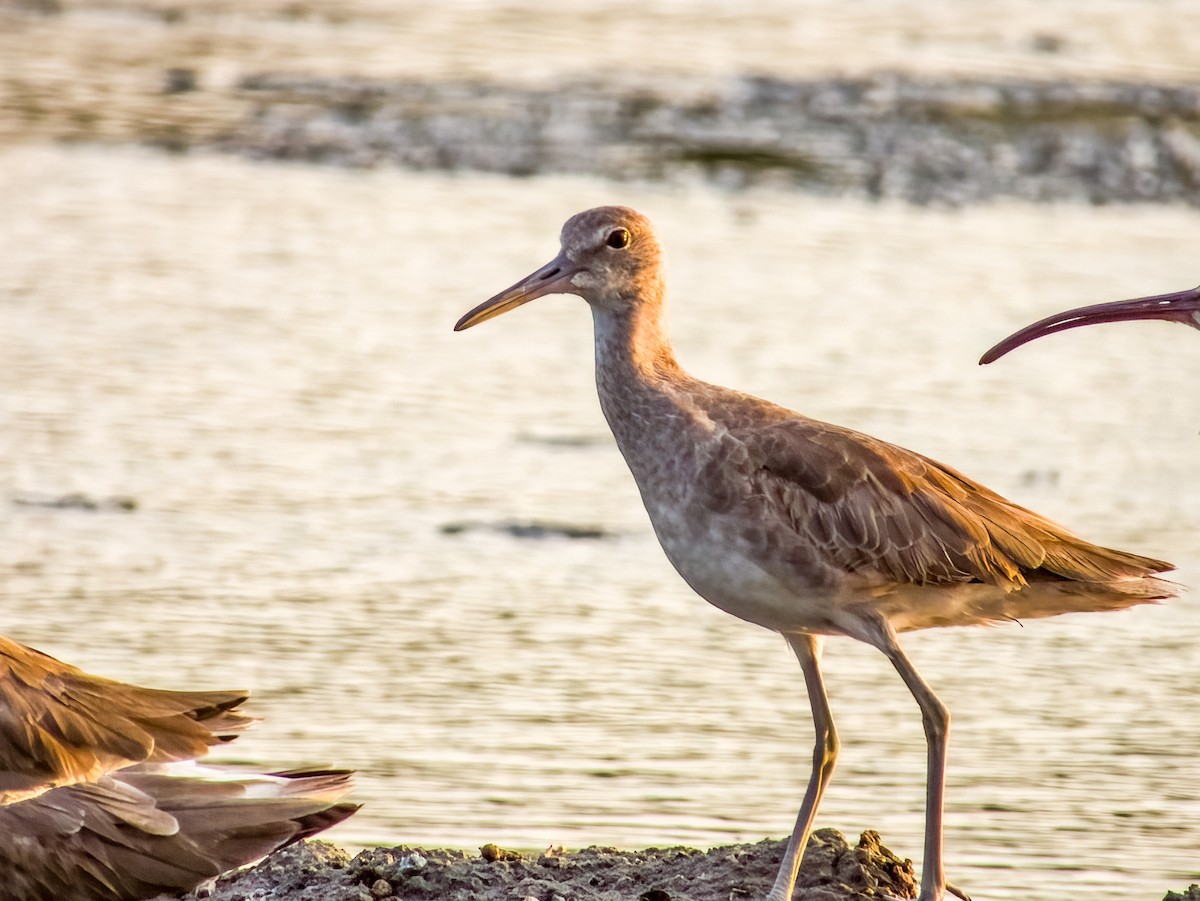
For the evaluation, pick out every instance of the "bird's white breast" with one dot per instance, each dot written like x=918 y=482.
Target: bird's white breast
x=711 y=547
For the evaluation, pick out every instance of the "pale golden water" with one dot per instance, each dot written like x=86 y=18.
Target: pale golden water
x=262 y=356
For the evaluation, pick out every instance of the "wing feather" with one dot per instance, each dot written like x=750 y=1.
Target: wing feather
x=93 y=803
x=889 y=514
x=60 y=725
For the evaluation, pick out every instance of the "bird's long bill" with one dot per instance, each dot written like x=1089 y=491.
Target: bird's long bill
x=1182 y=306
x=553 y=278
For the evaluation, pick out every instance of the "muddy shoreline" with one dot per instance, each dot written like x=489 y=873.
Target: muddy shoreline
x=888 y=136
x=833 y=870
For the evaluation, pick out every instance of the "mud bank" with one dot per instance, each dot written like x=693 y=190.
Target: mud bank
x=888 y=136
x=833 y=870
x=318 y=871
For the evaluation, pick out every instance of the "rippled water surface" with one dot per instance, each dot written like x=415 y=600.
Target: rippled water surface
x=261 y=356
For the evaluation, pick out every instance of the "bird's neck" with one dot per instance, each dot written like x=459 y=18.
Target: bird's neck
x=636 y=370
x=632 y=347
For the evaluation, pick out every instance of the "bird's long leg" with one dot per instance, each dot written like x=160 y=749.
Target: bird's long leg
x=935 y=716
x=808 y=651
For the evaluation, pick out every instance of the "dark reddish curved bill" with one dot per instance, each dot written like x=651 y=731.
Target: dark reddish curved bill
x=1182 y=306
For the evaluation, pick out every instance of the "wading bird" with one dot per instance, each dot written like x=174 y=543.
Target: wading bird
x=1182 y=306
x=101 y=798
x=807 y=528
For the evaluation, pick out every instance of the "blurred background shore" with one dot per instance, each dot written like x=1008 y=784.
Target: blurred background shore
x=920 y=102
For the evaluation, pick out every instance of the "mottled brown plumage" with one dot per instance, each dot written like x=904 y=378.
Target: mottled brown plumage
x=100 y=797
x=807 y=528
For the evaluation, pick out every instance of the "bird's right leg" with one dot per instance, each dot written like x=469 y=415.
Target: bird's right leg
x=808 y=651
x=936 y=719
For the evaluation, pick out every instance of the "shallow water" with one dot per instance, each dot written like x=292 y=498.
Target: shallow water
x=262 y=357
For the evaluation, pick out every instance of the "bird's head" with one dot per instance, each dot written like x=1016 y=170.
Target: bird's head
x=610 y=257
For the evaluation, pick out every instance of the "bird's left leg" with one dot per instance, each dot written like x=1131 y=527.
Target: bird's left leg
x=825 y=750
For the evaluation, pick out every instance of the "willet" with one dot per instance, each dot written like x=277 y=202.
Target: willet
x=1181 y=306
x=806 y=528
x=101 y=798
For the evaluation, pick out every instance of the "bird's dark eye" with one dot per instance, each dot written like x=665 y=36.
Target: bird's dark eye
x=619 y=238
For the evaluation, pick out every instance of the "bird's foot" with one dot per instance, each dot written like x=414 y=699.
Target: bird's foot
x=951 y=889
